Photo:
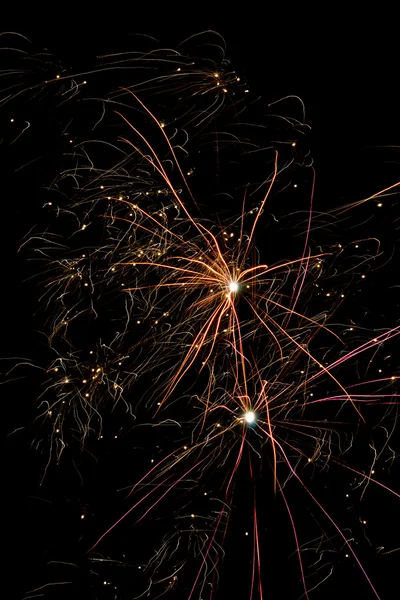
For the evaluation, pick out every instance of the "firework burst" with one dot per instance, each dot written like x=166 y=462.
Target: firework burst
x=168 y=292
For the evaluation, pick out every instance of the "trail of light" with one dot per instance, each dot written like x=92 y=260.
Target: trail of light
x=259 y=212
x=347 y=207
x=365 y=476
x=142 y=500
x=256 y=544
x=383 y=337
x=265 y=383
x=392 y=378
x=366 y=399
x=240 y=352
x=160 y=170
x=135 y=207
x=325 y=513
x=206 y=554
x=218 y=522
x=191 y=355
x=302 y=349
x=214 y=337
x=243 y=275
x=166 y=139
x=126 y=514
x=236 y=350
x=302 y=575
x=171 y=487
x=293 y=312
x=171 y=268
x=253 y=568
x=219 y=253
x=148 y=473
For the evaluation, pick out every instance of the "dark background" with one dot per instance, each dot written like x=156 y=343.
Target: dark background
x=346 y=75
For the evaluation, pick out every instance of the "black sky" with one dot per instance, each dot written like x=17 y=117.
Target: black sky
x=347 y=80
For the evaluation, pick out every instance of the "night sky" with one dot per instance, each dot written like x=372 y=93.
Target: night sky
x=311 y=505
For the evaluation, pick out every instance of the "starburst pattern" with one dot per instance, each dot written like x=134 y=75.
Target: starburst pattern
x=172 y=291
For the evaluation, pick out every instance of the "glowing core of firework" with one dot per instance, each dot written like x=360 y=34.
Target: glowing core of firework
x=250 y=417
x=233 y=286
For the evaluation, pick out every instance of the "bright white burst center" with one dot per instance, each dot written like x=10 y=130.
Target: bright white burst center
x=233 y=286
x=250 y=417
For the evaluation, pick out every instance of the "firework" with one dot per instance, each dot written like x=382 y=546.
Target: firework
x=187 y=301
